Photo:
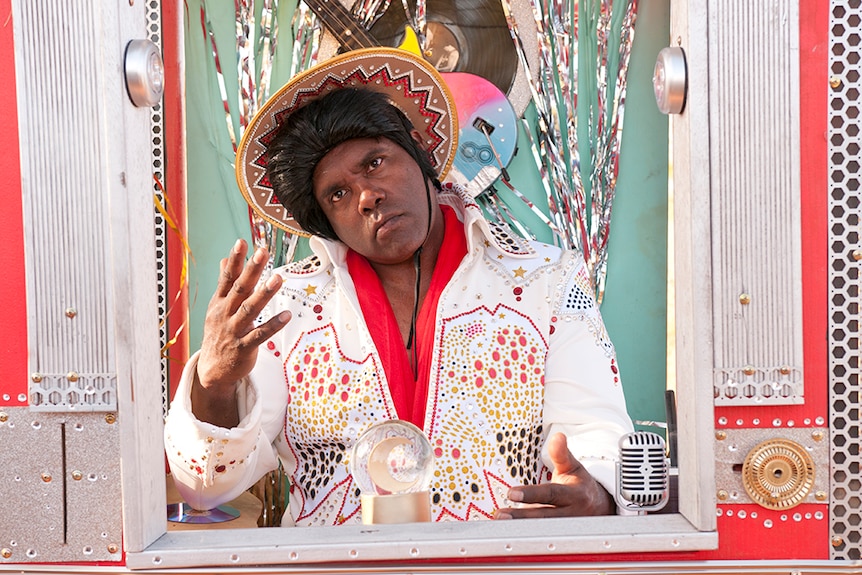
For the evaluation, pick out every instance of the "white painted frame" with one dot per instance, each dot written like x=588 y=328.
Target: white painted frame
x=149 y=545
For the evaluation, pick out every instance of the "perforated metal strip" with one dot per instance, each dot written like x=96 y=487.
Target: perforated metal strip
x=154 y=34
x=845 y=252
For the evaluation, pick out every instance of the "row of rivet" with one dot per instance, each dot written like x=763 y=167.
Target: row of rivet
x=724 y=495
x=110 y=418
x=816 y=435
x=775 y=422
x=414 y=552
x=6 y=553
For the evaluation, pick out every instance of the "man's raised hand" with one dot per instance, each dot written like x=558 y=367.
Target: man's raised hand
x=230 y=341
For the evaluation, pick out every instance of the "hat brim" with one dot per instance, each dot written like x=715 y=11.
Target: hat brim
x=410 y=83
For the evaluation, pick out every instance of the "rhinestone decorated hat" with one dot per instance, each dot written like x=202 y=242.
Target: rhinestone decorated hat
x=410 y=83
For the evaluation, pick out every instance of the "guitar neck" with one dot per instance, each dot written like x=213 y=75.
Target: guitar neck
x=341 y=23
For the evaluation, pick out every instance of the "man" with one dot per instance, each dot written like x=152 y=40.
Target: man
x=412 y=307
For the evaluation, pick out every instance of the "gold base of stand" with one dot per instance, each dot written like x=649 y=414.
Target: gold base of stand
x=400 y=508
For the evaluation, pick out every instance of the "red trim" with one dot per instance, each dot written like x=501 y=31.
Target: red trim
x=13 y=296
x=175 y=183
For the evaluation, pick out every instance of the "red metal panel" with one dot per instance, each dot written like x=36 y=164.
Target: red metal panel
x=175 y=174
x=13 y=327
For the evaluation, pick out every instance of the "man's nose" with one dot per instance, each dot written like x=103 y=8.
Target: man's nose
x=369 y=198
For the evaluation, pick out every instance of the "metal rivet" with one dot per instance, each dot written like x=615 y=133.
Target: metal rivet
x=77 y=475
x=36 y=377
x=837 y=541
x=46 y=477
x=3 y=417
x=113 y=548
x=784 y=369
x=821 y=496
x=6 y=553
x=817 y=435
x=72 y=376
x=722 y=495
x=748 y=370
x=857 y=255
x=745 y=298
x=71 y=312
x=110 y=418
x=721 y=435
x=835 y=81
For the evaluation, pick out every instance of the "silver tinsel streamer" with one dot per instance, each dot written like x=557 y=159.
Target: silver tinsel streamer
x=256 y=44
x=584 y=50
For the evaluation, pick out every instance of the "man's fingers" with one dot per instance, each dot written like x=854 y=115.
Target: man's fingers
x=266 y=330
x=231 y=268
x=533 y=512
x=545 y=494
x=250 y=307
x=563 y=460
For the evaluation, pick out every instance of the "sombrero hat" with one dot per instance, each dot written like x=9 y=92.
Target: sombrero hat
x=410 y=83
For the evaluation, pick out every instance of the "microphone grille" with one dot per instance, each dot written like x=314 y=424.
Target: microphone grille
x=643 y=470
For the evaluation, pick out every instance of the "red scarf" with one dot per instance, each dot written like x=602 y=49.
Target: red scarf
x=409 y=395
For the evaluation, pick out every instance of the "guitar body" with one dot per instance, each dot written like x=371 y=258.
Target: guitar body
x=478 y=161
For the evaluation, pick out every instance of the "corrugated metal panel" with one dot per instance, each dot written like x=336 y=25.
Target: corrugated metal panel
x=69 y=298
x=754 y=137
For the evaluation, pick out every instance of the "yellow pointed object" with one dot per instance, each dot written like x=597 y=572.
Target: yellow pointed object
x=411 y=41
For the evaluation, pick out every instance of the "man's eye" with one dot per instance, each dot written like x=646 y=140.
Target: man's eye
x=375 y=163
x=337 y=195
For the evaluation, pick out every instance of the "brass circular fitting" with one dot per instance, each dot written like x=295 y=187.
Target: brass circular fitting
x=36 y=377
x=748 y=370
x=821 y=496
x=71 y=312
x=110 y=418
x=834 y=82
x=784 y=370
x=817 y=435
x=4 y=417
x=77 y=475
x=46 y=477
x=745 y=298
x=722 y=495
x=721 y=435
x=73 y=376
x=6 y=553
x=113 y=548
x=837 y=541
x=857 y=255
x=778 y=474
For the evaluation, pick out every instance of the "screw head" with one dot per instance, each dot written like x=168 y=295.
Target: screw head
x=110 y=418
x=721 y=435
x=6 y=553
x=46 y=477
x=722 y=495
x=745 y=298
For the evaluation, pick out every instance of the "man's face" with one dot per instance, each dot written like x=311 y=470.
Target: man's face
x=373 y=193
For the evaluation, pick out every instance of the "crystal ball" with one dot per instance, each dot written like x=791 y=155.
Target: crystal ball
x=390 y=458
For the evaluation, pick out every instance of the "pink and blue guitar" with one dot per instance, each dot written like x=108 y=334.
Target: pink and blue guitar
x=488 y=126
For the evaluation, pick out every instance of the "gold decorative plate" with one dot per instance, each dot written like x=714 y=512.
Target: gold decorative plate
x=778 y=474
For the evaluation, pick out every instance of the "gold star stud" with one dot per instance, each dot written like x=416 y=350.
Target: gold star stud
x=310 y=290
x=519 y=273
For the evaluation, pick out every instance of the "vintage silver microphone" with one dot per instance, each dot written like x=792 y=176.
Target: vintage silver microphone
x=643 y=482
